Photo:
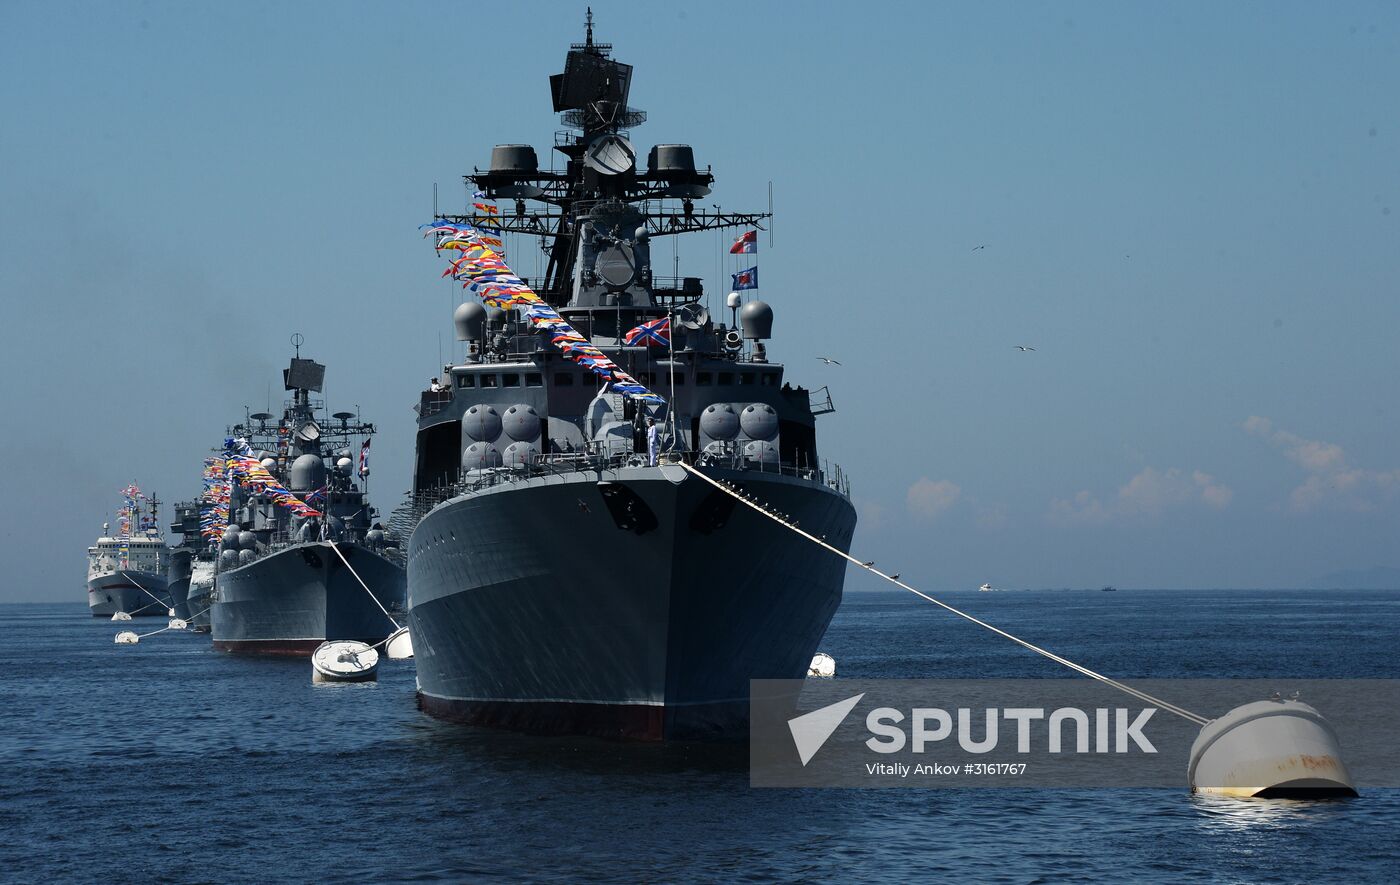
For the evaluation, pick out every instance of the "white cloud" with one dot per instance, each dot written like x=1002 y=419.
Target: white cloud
x=1148 y=493
x=930 y=498
x=1330 y=481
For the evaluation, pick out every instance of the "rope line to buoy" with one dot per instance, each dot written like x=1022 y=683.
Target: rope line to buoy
x=336 y=548
x=1078 y=668
x=158 y=600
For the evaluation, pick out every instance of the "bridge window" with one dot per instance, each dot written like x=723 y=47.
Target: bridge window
x=704 y=378
x=770 y=379
x=489 y=381
x=534 y=379
x=510 y=379
x=746 y=378
x=726 y=378
x=466 y=380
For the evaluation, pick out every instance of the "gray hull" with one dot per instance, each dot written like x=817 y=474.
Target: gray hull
x=588 y=626
x=291 y=601
x=178 y=585
x=198 y=602
x=179 y=591
x=122 y=592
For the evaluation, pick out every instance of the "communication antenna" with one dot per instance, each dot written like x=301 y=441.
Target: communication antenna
x=771 y=225
x=297 y=339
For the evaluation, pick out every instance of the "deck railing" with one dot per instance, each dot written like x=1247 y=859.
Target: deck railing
x=418 y=504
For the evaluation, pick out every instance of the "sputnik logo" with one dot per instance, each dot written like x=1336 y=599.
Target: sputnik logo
x=811 y=730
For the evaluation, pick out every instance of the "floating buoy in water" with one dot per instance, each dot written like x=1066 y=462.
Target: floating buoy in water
x=399 y=645
x=823 y=666
x=121 y=616
x=177 y=624
x=126 y=637
x=1275 y=749
x=344 y=660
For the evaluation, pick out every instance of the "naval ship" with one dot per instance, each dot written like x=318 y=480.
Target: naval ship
x=567 y=571
x=191 y=572
x=302 y=559
x=127 y=570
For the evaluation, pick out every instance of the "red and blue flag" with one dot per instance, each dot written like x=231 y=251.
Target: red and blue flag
x=656 y=333
x=746 y=279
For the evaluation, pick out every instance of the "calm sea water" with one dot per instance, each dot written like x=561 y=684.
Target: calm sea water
x=169 y=761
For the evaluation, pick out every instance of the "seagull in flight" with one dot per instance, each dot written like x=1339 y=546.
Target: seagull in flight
x=829 y=361
x=975 y=248
x=1023 y=348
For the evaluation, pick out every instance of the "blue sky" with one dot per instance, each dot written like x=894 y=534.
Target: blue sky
x=1190 y=210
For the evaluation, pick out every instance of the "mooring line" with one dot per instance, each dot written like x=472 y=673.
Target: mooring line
x=1078 y=668
x=159 y=601
x=336 y=548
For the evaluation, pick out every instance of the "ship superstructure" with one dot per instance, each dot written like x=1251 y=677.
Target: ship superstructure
x=303 y=558
x=566 y=573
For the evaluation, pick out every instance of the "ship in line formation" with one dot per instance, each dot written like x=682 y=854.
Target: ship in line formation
x=282 y=552
x=564 y=571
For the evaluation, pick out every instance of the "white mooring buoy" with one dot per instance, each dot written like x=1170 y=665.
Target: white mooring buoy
x=121 y=616
x=823 y=666
x=399 y=645
x=1274 y=749
x=126 y=637
x=344 y=660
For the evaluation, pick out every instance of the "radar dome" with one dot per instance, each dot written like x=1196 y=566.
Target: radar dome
x=246 y=556
x=344 y=465
x=228 y=559
x=247 y=541
x=308 y=473
x=470 y=320
x=519 y=159
x=230 y=538
x=757 y=319
x=269 y=464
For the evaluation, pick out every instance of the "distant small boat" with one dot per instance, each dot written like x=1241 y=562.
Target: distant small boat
x=1109 y=589
x=986 y=588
